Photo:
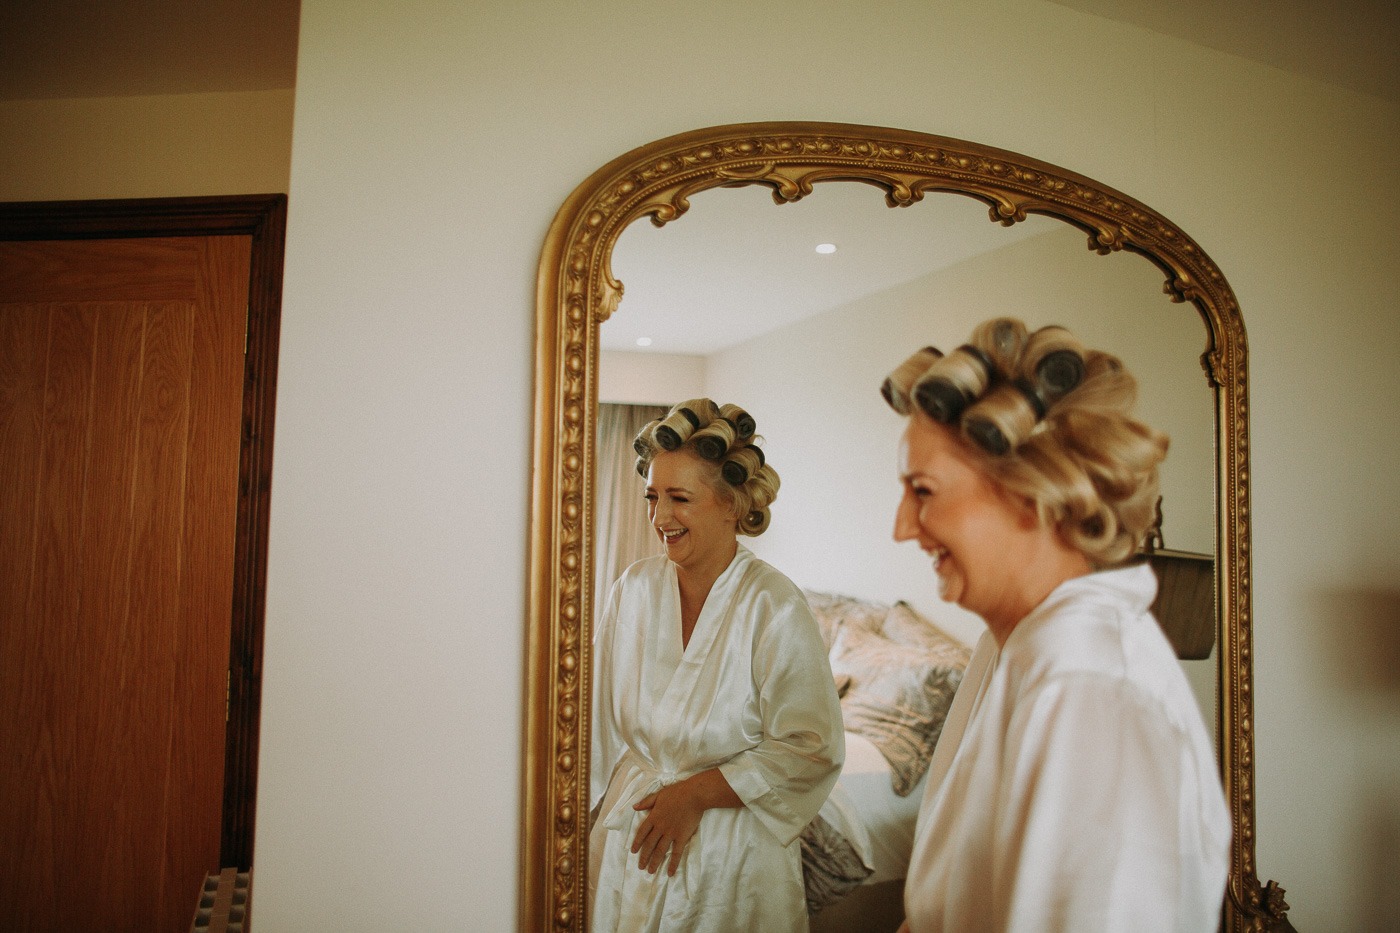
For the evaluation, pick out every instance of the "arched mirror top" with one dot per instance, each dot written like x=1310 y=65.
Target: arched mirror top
x=577 y=291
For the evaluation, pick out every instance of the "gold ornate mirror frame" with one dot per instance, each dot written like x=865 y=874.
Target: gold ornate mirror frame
x=577 y=291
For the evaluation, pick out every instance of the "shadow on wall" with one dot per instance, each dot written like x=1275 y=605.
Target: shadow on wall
x=1361 y=646
x=1364 y=642
x=1379 y=835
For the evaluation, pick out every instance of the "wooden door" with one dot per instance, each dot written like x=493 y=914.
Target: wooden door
x=121 y=396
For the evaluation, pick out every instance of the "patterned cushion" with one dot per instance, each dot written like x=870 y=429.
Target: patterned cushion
x=905 y=626
x=899 y=691
x=834 y=611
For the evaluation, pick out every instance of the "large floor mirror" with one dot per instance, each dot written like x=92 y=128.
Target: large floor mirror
x=727 y=271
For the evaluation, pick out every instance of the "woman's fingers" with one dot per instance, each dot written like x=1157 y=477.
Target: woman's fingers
x=677 y=850
x=652 y=847
x=644 y=845
x=651 y=843
x=644 y=837
x=658 y=854
x=672 y=818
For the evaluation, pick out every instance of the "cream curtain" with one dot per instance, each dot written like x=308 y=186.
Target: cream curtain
x=624 y=534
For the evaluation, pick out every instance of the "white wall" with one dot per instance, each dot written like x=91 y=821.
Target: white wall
x=634 y=378
x=434 y=141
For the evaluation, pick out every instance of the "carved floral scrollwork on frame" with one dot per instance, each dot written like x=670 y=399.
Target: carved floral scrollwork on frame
x=577 y=291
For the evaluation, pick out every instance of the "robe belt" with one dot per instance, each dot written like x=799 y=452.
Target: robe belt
x=645 y=779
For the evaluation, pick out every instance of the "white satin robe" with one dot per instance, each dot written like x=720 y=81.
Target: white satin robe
x=753 y=694
x=1074 y=787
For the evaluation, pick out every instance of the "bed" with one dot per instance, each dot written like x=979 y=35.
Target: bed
x=896 y=673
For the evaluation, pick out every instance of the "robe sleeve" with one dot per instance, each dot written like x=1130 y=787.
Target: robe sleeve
x=786 y=777
x=1096 y=786
x=606 y=744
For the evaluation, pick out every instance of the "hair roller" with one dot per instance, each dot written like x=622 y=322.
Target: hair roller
x=742 y=421
x=683 y=420
x=1003 y=339
x=1054 y=361
x=645 y=446
x=1107 y=386
x=706 y=409
x=1052 y=366
x=1059 y=373
x=755 y=522
x=764 y=484
x=714 y=440
x=676 y=428
x=1005 y=418
x=642 y=443
x=753 y=498
x=953 y=382
x=898 y=384
x=742 y=463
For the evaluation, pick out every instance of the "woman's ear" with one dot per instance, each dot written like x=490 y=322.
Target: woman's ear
x=731 y=502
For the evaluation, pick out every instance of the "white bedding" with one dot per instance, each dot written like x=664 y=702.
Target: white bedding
x=865 y=809
x=896 y=673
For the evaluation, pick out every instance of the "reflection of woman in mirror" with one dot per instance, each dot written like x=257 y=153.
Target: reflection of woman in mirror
x=716 y=728
x=1074 y=786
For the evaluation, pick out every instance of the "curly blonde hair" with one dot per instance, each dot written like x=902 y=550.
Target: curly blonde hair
x=722 y=436
x=1050 y=421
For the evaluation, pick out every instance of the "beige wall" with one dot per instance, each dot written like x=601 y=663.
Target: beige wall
x=182 y=145
x=434 y=141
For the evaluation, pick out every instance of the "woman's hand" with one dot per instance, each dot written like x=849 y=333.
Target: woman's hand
x=673 y=816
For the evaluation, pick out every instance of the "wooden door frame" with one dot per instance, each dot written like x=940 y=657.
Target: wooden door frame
x=264 y=218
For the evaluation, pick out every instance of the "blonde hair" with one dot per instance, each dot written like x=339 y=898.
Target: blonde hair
x=722 y=436
x=1050 y=421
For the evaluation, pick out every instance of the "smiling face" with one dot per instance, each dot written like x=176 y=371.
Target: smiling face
x=689 y=516
x=992 y=556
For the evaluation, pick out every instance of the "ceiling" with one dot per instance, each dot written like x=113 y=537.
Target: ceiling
x=121 y=48
x=101 y=48
x=1351 y=43
x=736 y=265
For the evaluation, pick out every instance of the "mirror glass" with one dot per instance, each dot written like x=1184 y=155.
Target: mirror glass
x=736 y=302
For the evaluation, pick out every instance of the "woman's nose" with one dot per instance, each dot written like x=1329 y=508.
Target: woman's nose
x=906 y=520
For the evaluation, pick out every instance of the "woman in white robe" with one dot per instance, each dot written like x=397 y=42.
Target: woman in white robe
x=716 y=727
x=1074 y=786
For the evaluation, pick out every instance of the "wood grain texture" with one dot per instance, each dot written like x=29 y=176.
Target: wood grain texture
x=120 y=422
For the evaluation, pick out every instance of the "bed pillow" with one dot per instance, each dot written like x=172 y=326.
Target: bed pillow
x=899 y=694
x=905 y=626
x=834 y=612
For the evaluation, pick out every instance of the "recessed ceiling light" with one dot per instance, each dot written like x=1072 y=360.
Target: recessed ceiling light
x=643 y=341
x=826 y=248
